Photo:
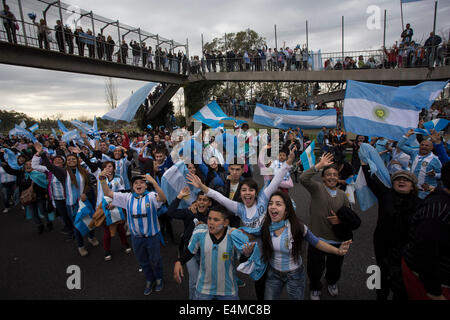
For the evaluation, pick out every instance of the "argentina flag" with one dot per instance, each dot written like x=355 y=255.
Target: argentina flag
x=211 y=115
x=366 y=198
x=128 y=108
x=70 y=135
x=174 y=180
x=84 y=217
x=19 y=131
x=285 y=119
x=34 y=127
x=436 y=124
x=377 y=110
x=307 y=157
x=114 y=215
x=83 y=127
x=62 y=127
x=369 y=155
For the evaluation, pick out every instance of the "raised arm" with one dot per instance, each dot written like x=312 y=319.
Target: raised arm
x=402 y=143
x=227 y=203
x=106 y=190
x=279 y=175
x=161 y=195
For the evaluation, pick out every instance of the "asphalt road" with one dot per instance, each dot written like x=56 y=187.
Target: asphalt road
x=34 y=267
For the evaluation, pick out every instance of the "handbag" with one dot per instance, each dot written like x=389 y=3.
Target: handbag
x=28 y=196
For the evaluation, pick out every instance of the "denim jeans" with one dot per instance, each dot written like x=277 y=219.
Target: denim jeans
x=61 y=208
x=193 y=266
x=38 y=207
x=8 y=192
x=201 y=296
x=148 y=255
x=276 y=280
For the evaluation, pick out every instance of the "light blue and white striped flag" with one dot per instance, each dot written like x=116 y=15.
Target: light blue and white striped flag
x=70 y=135
x=366 y=198
x=174 y=180
x=83 y=127
x=307 y=157
x=377 y=110
x=84 y=217
x=285 y=119
x=128 y=108
x=23 y=124
x=34 y=127
x=369 y=155
x=211 y=115
x=54 y=133
x=19 y=131
x=113 y=215
x=436 y=124
x=11 y=159
x=62 y=127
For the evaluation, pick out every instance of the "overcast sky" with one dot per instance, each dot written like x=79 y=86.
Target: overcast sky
x=41 y=93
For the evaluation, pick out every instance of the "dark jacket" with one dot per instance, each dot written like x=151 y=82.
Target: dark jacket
x=349 y=222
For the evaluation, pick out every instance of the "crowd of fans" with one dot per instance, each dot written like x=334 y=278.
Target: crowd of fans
x=67 y=177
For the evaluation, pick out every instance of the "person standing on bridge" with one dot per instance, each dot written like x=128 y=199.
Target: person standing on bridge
x=78 y=33
x=9 y=22
x=43 y=31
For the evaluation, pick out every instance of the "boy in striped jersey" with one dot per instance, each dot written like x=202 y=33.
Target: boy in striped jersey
x=142 y=206
x=217 y=278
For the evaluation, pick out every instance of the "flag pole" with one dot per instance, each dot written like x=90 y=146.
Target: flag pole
x=401 y=14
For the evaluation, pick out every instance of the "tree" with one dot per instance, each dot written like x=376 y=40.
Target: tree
x=110 y=93
x=243 y=40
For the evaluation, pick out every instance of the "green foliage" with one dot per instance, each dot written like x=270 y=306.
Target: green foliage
x=197 y=94
x=243 y=40
x=11 y=118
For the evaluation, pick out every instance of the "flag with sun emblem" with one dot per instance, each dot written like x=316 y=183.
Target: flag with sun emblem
x=307 y=157
x=384 y=111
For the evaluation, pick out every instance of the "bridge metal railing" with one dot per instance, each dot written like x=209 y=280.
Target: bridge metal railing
x=314 y=61
x=89 y=35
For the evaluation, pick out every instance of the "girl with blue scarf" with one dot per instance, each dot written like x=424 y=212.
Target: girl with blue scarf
x=281 y=235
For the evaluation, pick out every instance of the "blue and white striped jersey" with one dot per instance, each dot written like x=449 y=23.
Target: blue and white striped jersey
x=57 y=189
x=116 y=184
x=5 y=177
x=217 y=275
x=141 y=212
x=282 y=259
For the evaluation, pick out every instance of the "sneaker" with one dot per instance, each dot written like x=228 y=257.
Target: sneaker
x=108 y=255
x=148 y=288
x=49 y=226
x=140 y=270
x=128 y=250
x=314 y=295
x=5 y=210
x=241 y=284
x=333 y=290
x=93 y=241
x=159 y=285
x=83 y=252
